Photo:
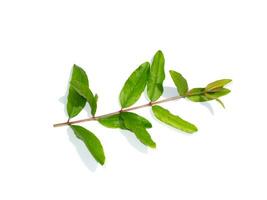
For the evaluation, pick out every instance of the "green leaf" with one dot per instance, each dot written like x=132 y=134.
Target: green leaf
x=180 y=82
x=220 y=102
x=156 y=77
x=113 y=121
x=138 y=128
x=134 y=86
x=91 y=141
x=217 y=84
x=141 y=134
x=136 y=119
x=116 y=121
x=173 y=120
x=86 y=93
x=197 y=95
x=219 y=93
x=75 y=102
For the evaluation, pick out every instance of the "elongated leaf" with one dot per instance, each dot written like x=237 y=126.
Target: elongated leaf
x=217 y=84
x=173 y=120
x=86 y=93
x=116 y=121
x=180 y=82
x=134 y=86
x=113 y=121
x=137 y=127
x=156 y=77
x=75 y=102
x=91 y=141
x=219 y=93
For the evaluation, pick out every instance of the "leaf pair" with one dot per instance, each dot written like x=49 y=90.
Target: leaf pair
x=132 y=122
x=80 y=93
x=144 y=75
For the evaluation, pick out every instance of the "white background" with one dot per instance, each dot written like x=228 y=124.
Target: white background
x=204 y=40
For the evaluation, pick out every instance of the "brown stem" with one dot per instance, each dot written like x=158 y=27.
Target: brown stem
x=117 y=112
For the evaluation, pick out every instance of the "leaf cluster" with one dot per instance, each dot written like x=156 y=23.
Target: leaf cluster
x=149 y=76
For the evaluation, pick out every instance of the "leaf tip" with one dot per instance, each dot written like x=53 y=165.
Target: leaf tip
x=153 y=146
x=102 y=161
x=160 y=51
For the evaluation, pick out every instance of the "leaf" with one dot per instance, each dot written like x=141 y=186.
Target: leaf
x=142 y=135
x=91 y=141
x=137 y=127
x=136 y=119
x=173 y=120
x=113 y=121
x=180 y=82
x=134 y=86
x=197 y=95
x=156 y=77
x=75 y=102
x=219 y=93
x=86 y=93
x=217 y=84
x=220 y=102
x=116 y=121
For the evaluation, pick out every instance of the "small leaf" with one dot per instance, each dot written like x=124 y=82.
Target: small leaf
x=217 y=84
x=180 y=82
x=173 y=120
x=134 y=86
x=86 y=93
x=137 y=127
x=220 y=102
x=76 y=102
x=113 y=121
x=197 y=95
x=219 y=93
x=156 y=77
x=91 y=141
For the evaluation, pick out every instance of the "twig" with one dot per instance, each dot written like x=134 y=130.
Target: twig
x=117 y=112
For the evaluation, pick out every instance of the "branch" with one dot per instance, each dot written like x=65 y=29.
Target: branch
x=117 y=112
